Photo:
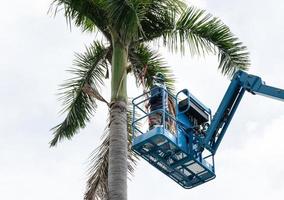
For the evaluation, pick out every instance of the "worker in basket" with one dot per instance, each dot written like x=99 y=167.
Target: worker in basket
x=159 y=100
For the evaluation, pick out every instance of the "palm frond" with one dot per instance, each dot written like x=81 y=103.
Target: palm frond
x=146 y=63
x=155 y=23
x=93 y=92
x=98 y=171
x=130 y=17
x=125 y=16
x=87 y=14
x=204 y=33
x=78 y=102
x=173 y=6
x=158 y=18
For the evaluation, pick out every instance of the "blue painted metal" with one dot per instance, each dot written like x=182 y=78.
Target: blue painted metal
x=223 y=116
x=240 y=83
x=227 y=121
x=194 y=99
x=181 y=154
x=159 y=147
x=175 y=154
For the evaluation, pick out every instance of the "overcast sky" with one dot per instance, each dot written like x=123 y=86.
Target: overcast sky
x=35 y=51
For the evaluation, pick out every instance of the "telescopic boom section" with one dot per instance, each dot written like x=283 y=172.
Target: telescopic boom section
x=240 y=83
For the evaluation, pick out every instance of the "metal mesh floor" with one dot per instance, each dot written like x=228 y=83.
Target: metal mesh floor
x=159 y=148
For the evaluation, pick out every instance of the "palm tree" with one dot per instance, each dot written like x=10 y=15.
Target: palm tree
x=128 y=27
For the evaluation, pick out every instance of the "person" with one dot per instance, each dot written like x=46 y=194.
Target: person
x=158 y=101
x=158 y=93
x=161 y=104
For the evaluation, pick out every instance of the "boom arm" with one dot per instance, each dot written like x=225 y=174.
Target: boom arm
x=240 y=83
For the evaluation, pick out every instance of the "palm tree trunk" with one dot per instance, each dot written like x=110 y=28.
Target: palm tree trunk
x=117 y=171
x=117 y=174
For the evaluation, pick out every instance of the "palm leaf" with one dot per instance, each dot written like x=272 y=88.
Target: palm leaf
x=158 y=18
x=124 y=16
x=87 y=14
x=78 y=102
x=146 y=63
x=129 y=18
x=204 y=33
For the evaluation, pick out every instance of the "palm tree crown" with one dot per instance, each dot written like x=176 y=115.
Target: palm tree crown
x=128 y=27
